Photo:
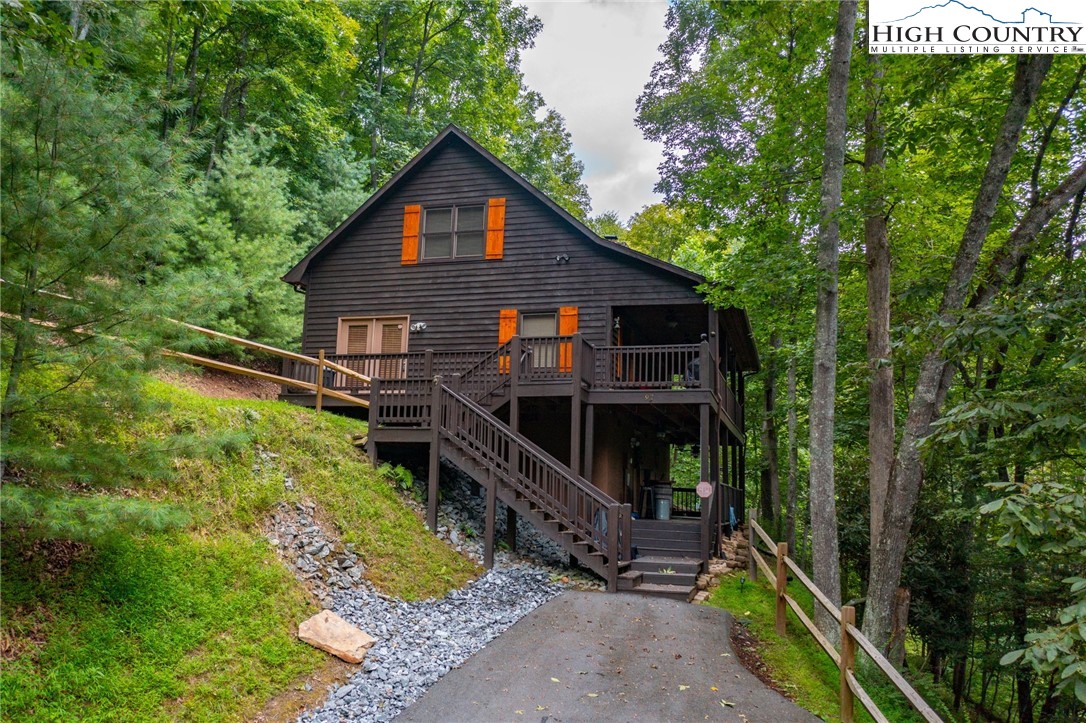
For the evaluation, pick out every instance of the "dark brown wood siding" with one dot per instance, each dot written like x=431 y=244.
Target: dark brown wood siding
x=361 y=274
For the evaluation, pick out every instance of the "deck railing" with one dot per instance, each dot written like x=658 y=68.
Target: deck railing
x=538 y=360
x=850 y=689
x=673 y=366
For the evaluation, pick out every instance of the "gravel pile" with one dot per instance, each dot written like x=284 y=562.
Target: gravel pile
x=418 y=642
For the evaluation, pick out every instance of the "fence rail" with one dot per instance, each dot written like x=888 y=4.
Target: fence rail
x=850 y=688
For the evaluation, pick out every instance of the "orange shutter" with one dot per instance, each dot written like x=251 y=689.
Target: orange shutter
x=495 y=228
x=507 y=329
x=410 y=253
x=567 y=326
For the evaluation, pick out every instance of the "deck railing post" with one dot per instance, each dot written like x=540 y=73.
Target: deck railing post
x=428 y=364
x=848 y=662
x=435 y=455
x=320 y=378
x=752 y=566
x=782 y=582
x=612 y=548
x=705 y=365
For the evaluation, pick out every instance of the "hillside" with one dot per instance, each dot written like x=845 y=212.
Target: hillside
x=200 y=621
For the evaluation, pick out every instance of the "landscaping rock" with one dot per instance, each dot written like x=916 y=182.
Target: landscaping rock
x=334 y=635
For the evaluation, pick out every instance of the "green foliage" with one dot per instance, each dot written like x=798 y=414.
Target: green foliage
x=157 y=628
x=84 y=517
x=239 y=235
x=199 y=622
x=796 y=662
x=1050 y=518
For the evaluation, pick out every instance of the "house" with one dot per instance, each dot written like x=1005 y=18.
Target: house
x=559 y=369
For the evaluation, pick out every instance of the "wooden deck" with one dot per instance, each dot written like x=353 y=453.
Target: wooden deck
x=545 y=367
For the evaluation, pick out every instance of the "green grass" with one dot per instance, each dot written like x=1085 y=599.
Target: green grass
x=198 y=623
x=796 y=662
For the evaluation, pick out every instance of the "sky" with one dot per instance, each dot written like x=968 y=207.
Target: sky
x=590 y=63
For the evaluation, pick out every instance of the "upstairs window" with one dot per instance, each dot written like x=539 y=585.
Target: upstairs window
x=453 y=233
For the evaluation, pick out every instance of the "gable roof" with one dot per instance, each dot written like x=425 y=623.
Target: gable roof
x=296 y=275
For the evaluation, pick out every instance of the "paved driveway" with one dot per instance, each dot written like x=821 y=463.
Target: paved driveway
x=595 y=657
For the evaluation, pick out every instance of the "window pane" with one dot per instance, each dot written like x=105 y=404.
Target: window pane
x=469 y=243
x=437 y=246
x=537 y=325
x=438 y=220
x=469 y=218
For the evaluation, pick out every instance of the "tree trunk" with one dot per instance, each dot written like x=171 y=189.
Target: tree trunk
x=793 y=456
x=880 y=433
x=823 y=505
x=907 y=472
x=381 y=36
x=17 y=362
x=1023 y=676
x=771 y=477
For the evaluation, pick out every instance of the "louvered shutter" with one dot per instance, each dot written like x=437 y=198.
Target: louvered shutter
x=567 y=326
x=358 y=339
x=392 y=338
x=410 y=252
x=495 y=228
x=507 y=329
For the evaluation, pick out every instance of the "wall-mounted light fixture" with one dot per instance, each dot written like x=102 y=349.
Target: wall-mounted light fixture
x=417 y=327
x=561 y=259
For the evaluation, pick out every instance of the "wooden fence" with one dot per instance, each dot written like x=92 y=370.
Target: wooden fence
x=851 y=637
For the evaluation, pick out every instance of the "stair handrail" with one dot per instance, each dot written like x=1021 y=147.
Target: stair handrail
x=591 y=530
x=495 y=356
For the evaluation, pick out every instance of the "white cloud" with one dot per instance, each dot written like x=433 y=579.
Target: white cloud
x=590 y=63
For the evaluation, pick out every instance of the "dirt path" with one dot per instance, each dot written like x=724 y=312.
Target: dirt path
x=591 y=656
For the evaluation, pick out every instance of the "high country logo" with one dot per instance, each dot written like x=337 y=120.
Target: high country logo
x=999 y=26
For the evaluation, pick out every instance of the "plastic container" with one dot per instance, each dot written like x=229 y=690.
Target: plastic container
x=661 y=495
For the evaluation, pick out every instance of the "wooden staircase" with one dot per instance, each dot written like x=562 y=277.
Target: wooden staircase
x=670 y=577
x=591 y=526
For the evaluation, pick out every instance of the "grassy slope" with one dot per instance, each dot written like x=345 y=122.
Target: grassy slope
x=796 y=661
x=199 y=623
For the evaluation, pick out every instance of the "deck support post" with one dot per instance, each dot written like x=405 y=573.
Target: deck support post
x=706 y=465
x=714 y=479
x=435 y=456
x=575 y=405
x=514 y=383
x=491 y=514
x=612 y=548
x=374 y=420
x=511 y=528
x=589 y=439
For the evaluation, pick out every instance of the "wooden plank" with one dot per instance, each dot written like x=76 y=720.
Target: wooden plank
x=285 y=381
x=865 y=699
x=807 y=583
x=237 y=340
x=782 y=583
x=764 y=566
x=821 y=639
x=895 y=677
x=769 y=541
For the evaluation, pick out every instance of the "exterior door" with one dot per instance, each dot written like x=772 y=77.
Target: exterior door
x=535 y=325
x=380 y=344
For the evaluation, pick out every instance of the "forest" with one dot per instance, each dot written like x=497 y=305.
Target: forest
x=905 y=232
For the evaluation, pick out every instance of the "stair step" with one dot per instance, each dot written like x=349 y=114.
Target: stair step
x=682 y=565
x=675 y=592
x=669 y=578
x=629 y=580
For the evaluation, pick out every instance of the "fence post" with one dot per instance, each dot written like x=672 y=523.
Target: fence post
x=848 y=661
x=752 y=565
x=320 y=378
x=782 y=581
